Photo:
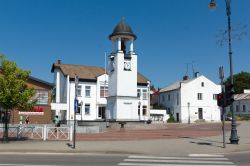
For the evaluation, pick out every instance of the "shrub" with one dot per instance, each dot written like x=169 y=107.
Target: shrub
x=171 y=118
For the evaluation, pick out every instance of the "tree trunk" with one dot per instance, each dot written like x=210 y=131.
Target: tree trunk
x=5 y=135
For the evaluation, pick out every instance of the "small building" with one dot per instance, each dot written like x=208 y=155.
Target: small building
x=191 y=100
x=241 y=104
x=41 y=114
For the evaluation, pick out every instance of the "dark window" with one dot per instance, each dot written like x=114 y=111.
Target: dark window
x=144 y=110
x=202 y=84
x=87 y=109
x=199 y=96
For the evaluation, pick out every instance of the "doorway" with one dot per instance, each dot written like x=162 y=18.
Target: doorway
x=200 y=112
x=177 y=118
x=101 y=112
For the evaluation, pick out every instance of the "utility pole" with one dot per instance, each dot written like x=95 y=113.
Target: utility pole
x=221 y=75
x=75 y=109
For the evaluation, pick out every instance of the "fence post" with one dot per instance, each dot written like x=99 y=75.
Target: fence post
x=45 y=132
x=70 y=133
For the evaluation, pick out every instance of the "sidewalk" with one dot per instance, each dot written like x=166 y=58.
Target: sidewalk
x=181 y=146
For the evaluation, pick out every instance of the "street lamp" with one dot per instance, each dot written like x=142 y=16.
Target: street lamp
x=234 y=139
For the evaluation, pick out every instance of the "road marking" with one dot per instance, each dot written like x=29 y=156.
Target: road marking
x=206 y=155
x=200 y=160
x=179 y=158
x=180 y=161
x=143 y=164
x=25 y=165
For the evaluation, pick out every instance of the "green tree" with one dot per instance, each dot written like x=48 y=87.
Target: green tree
x=14 y=92
x=241 y=81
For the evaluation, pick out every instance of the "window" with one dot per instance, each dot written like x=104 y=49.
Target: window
x=243 y=108
x=237 y=108
x=139 y=109
x=87 y=91
x=199 y=96
x=138 y=93
x=144 y=94
x=79 y=91
x=162 y=98
x=42 y=97
x=144 y=110
x=103 y=91
x=202 y=84
x=101 y=112
x=169 y=97
x=177 y=98
x=214 y=96
x=87 y=109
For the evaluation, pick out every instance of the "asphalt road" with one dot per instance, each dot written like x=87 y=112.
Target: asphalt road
x=240 y=159
x=72 y=159
x=58 y=160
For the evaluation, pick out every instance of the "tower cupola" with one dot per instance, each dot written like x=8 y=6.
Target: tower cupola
x=122 y=36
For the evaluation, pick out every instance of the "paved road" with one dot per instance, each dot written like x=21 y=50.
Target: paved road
x=241 y=158
x=112 y=160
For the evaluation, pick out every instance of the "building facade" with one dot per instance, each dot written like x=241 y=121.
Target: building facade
x=92 y=92
x=41 y=113
x=241 y=104
x=192 y=100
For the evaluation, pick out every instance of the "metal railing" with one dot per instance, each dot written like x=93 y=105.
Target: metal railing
x=38 y=132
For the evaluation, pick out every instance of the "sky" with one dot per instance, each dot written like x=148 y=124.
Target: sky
x=174 y=37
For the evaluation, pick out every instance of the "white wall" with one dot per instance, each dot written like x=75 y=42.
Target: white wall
x=211 y=111
x=188 y=93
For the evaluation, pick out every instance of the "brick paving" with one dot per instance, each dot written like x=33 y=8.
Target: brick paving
x=167 y=131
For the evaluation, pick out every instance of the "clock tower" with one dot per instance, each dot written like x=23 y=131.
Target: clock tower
x=122 y=104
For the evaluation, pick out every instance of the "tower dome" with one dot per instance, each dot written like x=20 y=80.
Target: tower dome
x=124 y=30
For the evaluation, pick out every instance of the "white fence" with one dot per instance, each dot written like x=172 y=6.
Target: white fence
x=38 y=132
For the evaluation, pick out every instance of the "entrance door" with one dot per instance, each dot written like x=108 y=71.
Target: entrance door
x=177 y=117
x=101 y=112
x=200 y=113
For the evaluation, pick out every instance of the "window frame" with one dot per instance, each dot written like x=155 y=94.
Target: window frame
x=87 y=91
x=199 y=96
x=87 y=105
x=103 y=90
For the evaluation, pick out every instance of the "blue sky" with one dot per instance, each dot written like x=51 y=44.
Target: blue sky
x=171 y=34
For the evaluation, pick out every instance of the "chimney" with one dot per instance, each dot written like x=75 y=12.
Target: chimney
x=185 y=78
x=196 y=74
x=59 y=61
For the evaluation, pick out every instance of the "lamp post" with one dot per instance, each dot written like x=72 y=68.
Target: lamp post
x=234 y=139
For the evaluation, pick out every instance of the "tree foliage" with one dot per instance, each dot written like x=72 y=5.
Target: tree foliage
x=14 y=92
x=241 y=82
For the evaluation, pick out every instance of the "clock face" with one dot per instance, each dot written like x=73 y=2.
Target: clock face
x=127 y=65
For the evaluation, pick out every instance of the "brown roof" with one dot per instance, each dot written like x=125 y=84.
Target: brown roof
x=243 y=96
x=88 y=72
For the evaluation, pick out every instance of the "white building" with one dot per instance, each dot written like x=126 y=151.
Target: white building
x=192 y=100
x=91 y=92
x=122 y=102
